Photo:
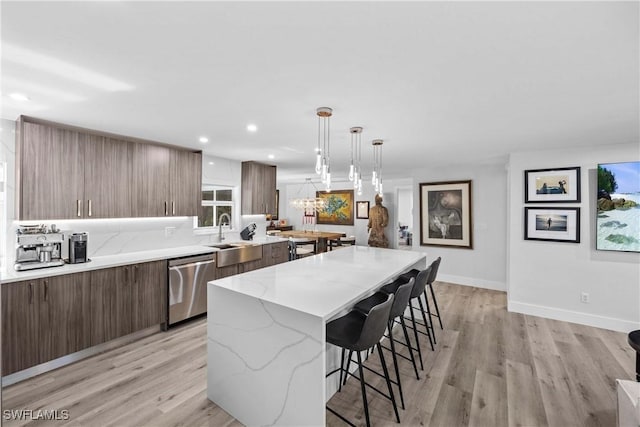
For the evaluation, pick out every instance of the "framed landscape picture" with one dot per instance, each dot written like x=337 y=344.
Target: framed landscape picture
x=552 y=224
x=618 y=207
x=445 y=214
x=560 y=185
x=362 y=210
x=339 y=207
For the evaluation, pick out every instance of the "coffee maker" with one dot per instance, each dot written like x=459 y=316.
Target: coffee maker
x=38 y=246
x=78 y=248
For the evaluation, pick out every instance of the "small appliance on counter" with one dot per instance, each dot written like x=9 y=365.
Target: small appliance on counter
x=78 y=248
x=39 y=246
x=248 y=232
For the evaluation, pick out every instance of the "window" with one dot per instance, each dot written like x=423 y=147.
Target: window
x=216 y=200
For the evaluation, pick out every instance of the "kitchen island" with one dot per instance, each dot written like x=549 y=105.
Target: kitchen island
x=267 y=357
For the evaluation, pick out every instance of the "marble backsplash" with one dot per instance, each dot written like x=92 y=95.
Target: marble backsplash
x=119 y=236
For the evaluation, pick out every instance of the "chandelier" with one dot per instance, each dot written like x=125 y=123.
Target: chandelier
x=376 y=177
x=308 y=204
x=323 y=159
x=355 y=169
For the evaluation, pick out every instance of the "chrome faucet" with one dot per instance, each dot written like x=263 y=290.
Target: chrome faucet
x=220 y=235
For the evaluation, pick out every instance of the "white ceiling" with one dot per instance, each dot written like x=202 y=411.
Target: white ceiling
x=440 y=82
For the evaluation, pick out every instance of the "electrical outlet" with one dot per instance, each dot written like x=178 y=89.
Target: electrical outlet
x=584 y=297
x=168 y=231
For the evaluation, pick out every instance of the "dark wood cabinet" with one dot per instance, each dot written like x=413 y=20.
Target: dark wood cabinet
x=111 y=315
x=20 y=326
x=230 y=270
x=150 y=180
x=50 y=168
x=149 y=294
x=64 y=315
x=186 y=183
x=44 y=319
x=107 y=177
x=251 y=265
x=258 y=188
x=63 y=172
x=275 y=253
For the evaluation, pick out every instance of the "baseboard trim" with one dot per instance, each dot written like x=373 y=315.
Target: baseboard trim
x=469 y=281
x=604 y=322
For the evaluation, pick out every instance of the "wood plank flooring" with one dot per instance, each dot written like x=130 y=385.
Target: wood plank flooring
x=489 y=368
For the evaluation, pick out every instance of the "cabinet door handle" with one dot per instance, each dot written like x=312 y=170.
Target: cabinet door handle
x=135 y=274
x=79 y=207
x=30 y=293
x=89 y=207
x=126 y=274
x=173 y=208
x=166 y=212
x=46 y=290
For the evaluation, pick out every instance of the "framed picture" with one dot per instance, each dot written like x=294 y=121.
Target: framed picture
x=618 y=207
x=445 y=214
x=339 y=207
x=560 y=185
x=362 y=210
x=552 y=224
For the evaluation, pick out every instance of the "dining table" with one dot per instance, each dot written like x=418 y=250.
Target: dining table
x=321 y=237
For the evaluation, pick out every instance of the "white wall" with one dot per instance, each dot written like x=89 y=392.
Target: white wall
x=484 y=265
x=547 y=278
x=405 y=206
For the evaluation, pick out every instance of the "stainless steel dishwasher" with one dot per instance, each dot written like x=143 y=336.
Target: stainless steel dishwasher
x=188 y=279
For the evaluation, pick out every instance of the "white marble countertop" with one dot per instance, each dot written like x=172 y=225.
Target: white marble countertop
x=9 y=275
x=323 y=285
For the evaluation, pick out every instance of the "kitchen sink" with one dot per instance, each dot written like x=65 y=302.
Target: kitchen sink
x=236 y=253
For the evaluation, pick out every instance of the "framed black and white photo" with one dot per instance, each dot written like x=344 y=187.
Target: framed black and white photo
x=552 y=224
x=362 y=210
x=560 y=185
x=445 y=214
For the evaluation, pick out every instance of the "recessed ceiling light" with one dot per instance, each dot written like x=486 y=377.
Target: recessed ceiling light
x=211 y=163
x=204 y=139
x=19 y=97
x=251 y=127
x=271 y=156
x=316 y=150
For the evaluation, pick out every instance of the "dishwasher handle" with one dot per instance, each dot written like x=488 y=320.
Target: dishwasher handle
x=192 y=260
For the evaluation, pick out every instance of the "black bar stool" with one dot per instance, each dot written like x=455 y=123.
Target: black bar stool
x=416 y=293
x=634 y=341
x=358 y=332
x=400 y=302
x=435 y=265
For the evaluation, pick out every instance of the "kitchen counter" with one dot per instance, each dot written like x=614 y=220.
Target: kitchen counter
x=267 y=355
x=10 y=275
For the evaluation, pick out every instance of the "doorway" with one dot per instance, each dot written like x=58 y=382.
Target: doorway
x=404 y=226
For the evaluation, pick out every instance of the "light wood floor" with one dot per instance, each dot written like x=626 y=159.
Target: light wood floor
x=490 y=368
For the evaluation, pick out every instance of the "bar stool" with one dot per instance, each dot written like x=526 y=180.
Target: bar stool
x=400 y=303
x=416 y=293
x=634 y=342
x=435 y=265
x=358 y=332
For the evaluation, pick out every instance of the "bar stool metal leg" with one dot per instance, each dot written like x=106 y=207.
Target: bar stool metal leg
x=386 y=377
x=426 y=323
x=395 y=362
x=406 y=338
x=429 y=315
x=435 y=303
x=415 y=333
x=341 y=369
x=362 y=387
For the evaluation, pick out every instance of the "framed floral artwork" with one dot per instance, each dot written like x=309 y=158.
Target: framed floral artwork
x=338 y=207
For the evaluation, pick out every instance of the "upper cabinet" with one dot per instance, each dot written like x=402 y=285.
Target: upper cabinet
x=68 y=173
x=258 y=188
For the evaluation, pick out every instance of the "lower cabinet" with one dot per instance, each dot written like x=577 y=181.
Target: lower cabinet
x=127 y=299
x=44 y=319
x=275 y=253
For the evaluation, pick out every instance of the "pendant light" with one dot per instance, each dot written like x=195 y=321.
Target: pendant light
x=376 y=177
x=355 y=169
x=306 y=199
x=323 y=155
